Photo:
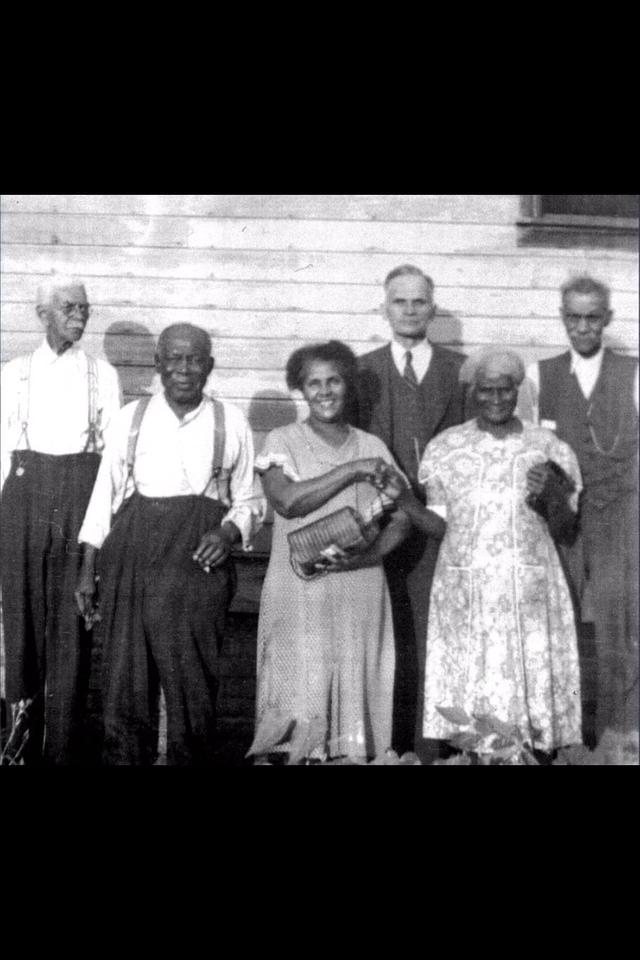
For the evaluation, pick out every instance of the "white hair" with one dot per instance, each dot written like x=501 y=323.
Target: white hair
x=493 y=362
x=55 y=282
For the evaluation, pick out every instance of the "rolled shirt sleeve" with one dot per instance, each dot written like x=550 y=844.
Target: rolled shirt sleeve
x=248 y=506
x=167 y=465
x=109 y=488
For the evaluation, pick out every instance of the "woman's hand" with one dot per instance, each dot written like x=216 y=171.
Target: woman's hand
x=537 y=478
x=339 y=560
x=368 y=470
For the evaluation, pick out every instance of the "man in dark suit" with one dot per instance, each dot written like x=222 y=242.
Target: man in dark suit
x=408 y=392
x=589 y=397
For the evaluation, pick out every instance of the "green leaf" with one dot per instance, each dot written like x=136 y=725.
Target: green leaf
x=465 y=741
x=483 y=726
x=492 y=724
x=455 y=715
x=504 y=753
x=459 y=760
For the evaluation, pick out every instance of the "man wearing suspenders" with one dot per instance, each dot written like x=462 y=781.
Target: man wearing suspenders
x=56 y=404
x=177 y=475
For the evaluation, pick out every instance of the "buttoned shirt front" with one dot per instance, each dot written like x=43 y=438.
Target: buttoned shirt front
x=54 y=402
x=421 y=355
x=586 y=370
x=173 y=458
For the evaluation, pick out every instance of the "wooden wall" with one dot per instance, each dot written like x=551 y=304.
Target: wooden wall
x=264 y=274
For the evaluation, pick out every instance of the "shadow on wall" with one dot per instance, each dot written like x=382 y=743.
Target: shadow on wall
x=446 y=329
x=269 y=409
x=131 y=348
x=610 y=340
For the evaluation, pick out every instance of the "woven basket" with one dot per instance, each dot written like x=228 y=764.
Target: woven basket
x=344 y=529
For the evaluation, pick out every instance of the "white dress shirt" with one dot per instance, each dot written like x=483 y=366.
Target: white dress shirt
x=587 y=371
x=174 y=458
x=58 y=403
x=421 y=355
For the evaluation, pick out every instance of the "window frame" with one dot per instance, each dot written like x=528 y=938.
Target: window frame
x=532 y=215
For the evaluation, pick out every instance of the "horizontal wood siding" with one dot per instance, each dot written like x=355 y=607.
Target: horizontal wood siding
x=265 y=273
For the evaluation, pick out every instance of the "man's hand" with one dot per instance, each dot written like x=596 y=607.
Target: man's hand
x=215 y=547
x=85 y=595
x=86 y=587
x=391 y=483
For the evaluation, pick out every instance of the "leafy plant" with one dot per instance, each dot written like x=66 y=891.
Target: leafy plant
x=488 y=741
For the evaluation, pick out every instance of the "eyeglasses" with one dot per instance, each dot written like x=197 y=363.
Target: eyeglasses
x=69 y=309
x=593 y=320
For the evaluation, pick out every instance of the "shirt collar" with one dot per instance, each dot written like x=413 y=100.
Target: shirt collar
x=579 y=362
x=188 y=417
x=49 y=356
x=422 y=350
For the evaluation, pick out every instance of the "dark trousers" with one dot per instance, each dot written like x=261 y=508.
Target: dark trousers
x=163 y=619
x=48 y=651
x=607 y=554
x=409 y=571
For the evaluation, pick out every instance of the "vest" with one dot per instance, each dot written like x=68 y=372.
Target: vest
x=602 y=430
x=408 y=423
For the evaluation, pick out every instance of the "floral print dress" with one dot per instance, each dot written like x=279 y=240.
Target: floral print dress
x=501 y=636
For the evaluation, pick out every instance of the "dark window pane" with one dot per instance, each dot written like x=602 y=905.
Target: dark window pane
x=610 y=205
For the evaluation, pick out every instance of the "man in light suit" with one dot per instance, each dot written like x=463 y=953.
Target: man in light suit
x=408 y=392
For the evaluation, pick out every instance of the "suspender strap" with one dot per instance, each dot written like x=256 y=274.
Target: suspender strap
x=94 y=434
x=218 y=437
x=134 y=430
x=24 y=395
x=92 y=384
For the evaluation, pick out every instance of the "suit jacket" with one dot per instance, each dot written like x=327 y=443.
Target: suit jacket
x=447 y=395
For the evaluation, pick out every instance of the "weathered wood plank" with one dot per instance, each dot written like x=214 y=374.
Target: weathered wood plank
x=246 y=354
x=404 y=239
x=268 y=234
x=293 y=265
x=485 y=208
x=264 y=399
x=358 y=299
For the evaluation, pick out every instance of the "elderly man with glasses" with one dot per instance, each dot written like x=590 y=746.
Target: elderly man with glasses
x=57 y=402
x=589 y=397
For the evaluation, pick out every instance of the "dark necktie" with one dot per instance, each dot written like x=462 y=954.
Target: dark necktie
x=409 y=373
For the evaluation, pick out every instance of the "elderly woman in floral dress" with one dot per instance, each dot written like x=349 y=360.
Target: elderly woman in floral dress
x=501 y=633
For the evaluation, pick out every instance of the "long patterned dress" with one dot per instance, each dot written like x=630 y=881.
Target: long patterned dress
x=501 y=635
x=325 y=646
